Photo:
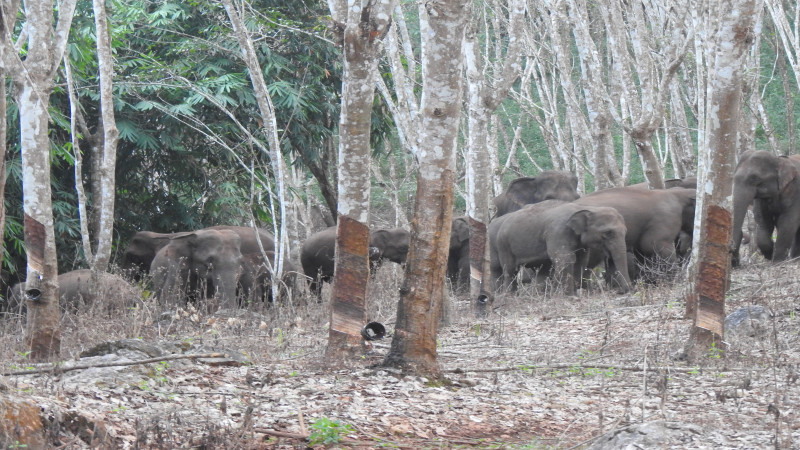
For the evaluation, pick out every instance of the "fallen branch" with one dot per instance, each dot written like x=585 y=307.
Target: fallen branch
x=534 y=367
x=57 y=368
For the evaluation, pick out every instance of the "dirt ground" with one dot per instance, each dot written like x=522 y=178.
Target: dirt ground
x=540 y=371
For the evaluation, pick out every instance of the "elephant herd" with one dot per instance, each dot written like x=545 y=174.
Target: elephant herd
x=557 y=234
x=542 y=226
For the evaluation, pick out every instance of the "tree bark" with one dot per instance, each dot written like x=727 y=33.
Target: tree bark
x=706 y=301
x=483 y=99
x=3 y=149
x=413 y=348
x=365 y=24
x=270 y=130
x=108 y=157
x=33 y=80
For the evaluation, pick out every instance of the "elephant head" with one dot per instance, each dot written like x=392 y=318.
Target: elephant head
x=548 y=185
x=189 y=259
x=603 y=229
x=391 y=244
x=141 y=250
x=762 y=176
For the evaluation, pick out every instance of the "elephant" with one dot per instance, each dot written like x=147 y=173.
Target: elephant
x=317 y=253
x=75 y=290
x=207 y=260
x=772 y=185
x=141 y=250
x=548 y=185
x=686 y=183
x=255 y=280
x=556 y=237
x=458 y=268
x=144 y=245
x=655 y=219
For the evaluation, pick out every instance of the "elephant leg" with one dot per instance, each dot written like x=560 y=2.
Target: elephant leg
x=787 y=229
x=765 y=225
x=564 y=263
x=796 y=245
x=578 y=269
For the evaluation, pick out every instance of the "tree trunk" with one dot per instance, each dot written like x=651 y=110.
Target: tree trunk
x=3 y=147
x=484 y=97
x=33 y=80
x=270 y=130
x=606 y=173
x=413 y=348
x=108 y=157
x=364 y=27
x=706 y=301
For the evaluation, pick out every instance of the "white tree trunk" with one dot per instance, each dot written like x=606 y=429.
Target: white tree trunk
x=108 y=156
x=33 y=80
x=270 y=130
x=413 y=348
x=365 y=23
x=711 y=256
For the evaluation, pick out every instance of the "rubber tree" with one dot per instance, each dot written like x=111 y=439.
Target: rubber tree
x=32 y=62
x=705 y=303
x=413 y=348
x=362 y=25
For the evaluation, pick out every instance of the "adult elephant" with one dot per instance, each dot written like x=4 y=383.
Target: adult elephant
x=458 y=256
x=203 y=261
x=76 y=291
x=144 y=245
x=548 y=185
x=686 y=183
x=317 y=253
x=654 y=219
x=772 y=185
x=557 y=237
x=141 y=250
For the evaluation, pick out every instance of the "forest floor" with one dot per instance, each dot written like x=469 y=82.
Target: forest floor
x=539 y=371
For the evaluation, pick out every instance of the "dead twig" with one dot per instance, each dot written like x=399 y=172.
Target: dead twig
x=57 y=368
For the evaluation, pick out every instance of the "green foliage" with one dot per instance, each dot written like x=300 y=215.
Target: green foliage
x=328 y=431
x=186 y=112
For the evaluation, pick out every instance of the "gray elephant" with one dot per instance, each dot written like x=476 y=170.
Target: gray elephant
x=75 y=292
x=141 y=250
x=686 y=183
x=556 y=238
x=655 y=219
x=548 y=185
x=317 y=254
x=198 y=262
x=458 y=267
x=144 y=245
x=772 y=185
x=255 y=280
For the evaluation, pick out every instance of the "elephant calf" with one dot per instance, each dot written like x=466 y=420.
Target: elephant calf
x=317 y=254
x=557 y=237
x=75 y=290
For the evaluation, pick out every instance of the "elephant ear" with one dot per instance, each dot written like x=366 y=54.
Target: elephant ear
x=579 y=221
x=787 y=172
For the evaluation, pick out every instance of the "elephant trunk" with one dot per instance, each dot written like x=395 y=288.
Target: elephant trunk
x=618 y=252
x=742 y=198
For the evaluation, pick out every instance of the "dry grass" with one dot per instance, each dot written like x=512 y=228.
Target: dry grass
x=585 y=350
